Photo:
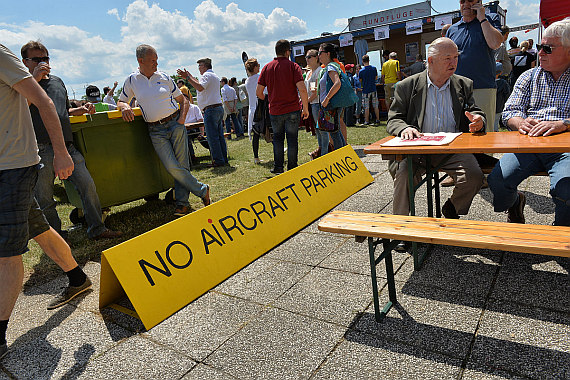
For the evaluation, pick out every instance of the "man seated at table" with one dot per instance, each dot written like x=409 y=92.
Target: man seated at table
x=437 y=100
x=539 y=106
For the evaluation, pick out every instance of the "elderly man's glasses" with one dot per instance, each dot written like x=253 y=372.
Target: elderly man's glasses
x=38 y=59
x=544 y=47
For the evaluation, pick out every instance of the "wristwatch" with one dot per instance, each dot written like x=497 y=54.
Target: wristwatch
x=566 y=122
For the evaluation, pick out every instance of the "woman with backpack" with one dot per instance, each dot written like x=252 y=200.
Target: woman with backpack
x=328 y=85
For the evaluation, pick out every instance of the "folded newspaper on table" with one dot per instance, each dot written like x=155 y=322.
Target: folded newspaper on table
x=441 y=138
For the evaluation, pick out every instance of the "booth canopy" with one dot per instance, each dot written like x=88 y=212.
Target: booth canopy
x=553 y=10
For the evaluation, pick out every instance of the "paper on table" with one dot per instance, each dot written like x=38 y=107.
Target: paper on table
x=441 y=138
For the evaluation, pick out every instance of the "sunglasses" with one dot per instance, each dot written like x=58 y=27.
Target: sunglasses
x=38 y=59
x=546 y=48
x=310 y=56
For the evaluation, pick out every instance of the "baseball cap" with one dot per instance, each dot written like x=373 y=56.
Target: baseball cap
x=93 y=94
x=348 y=66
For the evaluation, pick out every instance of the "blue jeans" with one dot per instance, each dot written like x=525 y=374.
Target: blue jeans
x=286 y=124
x=513 y=168
x=170 y=142
x=237 y=124
x=213 y=126
x=358 y=105
x=80 y=178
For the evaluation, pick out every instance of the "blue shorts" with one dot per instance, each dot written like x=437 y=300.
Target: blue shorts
x=20 y=215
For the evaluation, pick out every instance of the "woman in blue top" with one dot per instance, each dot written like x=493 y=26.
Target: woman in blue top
x=327 y=52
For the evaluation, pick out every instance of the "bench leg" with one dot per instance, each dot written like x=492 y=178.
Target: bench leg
x=387 y=256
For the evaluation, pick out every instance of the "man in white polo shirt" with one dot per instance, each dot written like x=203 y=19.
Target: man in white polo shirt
x=159 y=99
x=210 y=102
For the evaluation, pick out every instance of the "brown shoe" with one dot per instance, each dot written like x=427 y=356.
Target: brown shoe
x=448 y=210
x=181 y=211
x=448 y=181
x=206 y=200
x=108 y=234
x=515 y=213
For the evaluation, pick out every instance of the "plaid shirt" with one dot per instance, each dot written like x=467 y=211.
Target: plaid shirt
x=536 y=94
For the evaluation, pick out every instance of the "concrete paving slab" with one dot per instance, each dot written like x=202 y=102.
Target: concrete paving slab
x=3 y=375
x=361 y=203
x=203 y=372
x=263 y=280
x=124 y=320
x=278 y=345
x=353 y=257
x=362 y=356
x=461 y=269
x=437 y=320
x=328 y=295
x=201 y=327
x=475 y=372
x=535 y=280
x=526 y=341
x=63 y=350
x=138 y=358
x=306 y=248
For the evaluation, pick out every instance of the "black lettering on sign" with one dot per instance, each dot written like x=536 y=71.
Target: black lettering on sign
x=307 y=185
x=291 y=186
x=274 y=205
x=282 y=198
x=262 y=210
x=208 y=238
x=332 y=173
x=352 y=164
x=164 y=271
x=322 y=176
x=241 y=221
x=233 y=225
x=341 y=168
x=316 y=183
x=169 y=258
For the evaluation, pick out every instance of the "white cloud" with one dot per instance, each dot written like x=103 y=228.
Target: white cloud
x=340 y=23
x=81 y=58
x=521 y=13
x=114 y=12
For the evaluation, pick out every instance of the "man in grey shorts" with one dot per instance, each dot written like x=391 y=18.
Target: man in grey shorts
x=20 y=216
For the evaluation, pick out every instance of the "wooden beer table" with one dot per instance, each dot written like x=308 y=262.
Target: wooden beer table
x=493 y=142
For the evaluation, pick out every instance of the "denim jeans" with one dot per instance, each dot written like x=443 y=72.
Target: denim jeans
x=513 y=168
x=286 y=124
x=80 y=178
x=358 y=105
x=237 y=124
x=170 y=142
x=213 y=126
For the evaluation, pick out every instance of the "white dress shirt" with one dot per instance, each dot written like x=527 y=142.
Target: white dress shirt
x=194 y=115
x=211 y=92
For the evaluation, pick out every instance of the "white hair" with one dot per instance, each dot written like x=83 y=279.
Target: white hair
x=560 y=29
x=393 y=55
x=434 y=48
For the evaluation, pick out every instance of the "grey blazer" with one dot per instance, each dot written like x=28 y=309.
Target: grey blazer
x=408 y=107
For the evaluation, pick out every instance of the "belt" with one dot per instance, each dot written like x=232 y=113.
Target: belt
x=212 y=106
x=165 y=120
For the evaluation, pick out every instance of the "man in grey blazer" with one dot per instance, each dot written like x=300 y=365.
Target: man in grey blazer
x=437 y=100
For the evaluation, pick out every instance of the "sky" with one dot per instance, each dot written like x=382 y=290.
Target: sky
x=94 y=42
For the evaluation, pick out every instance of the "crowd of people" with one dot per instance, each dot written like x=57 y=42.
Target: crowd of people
x=449 y=92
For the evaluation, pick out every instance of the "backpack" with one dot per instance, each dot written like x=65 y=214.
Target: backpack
x=345 y=96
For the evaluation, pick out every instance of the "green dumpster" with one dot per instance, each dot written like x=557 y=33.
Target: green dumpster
x=120 y=158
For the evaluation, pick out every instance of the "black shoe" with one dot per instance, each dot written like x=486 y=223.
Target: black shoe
x=448 y=210
x=402 y=246
x=277 y=171
x=68 y=294
x=515 y=213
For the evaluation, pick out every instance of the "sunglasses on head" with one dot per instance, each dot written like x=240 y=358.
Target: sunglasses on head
x=38 y=59
x=546 y=48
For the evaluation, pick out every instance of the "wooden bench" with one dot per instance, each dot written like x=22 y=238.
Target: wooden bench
x=389 y=230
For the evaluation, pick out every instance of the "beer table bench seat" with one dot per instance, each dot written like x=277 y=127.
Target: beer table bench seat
x=389 y=230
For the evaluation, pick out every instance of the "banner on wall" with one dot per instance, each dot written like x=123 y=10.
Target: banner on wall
x=382 y=33
x=441 y=21
x=298 y=50
x=345 y=39
x=414 y=27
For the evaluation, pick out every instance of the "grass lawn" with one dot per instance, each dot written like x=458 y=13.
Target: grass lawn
x=137 y=217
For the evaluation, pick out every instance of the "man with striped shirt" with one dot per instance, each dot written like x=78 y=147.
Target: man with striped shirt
x=437 y=100
x=539 y=106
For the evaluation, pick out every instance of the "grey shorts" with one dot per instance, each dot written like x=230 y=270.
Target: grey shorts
x=20 y=215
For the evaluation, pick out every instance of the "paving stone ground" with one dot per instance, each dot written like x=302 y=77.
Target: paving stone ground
x=304 y=311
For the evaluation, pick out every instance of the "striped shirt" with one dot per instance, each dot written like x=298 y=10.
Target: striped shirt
x=536 y=94
x=438 y=115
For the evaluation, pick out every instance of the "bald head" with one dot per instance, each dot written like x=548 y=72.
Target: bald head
x=441 y=45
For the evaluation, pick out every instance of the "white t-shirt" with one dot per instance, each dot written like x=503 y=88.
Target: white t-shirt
x=109 y=100
x=194 y=115
x=251 y=87
x=228 y=93
x=155 y=96
x=211 y=92
x=323 y=82
x=313 y=79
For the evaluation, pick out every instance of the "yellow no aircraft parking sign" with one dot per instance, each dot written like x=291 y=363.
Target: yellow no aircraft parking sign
x=165 y=269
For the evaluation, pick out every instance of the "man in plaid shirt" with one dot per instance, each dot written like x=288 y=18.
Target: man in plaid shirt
x=538 y=106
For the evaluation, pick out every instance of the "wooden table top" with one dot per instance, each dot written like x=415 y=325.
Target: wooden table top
x=493 y=142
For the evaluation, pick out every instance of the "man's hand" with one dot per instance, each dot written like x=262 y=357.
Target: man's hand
x=522 y=125
x=126 y=111
x=89 y=108
x=62 y=164
x=480 y=9
x=305 y=114
x=183 y=73
x=546 y=128
x=476 y=122
x=41 y=70
x=410 y=133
